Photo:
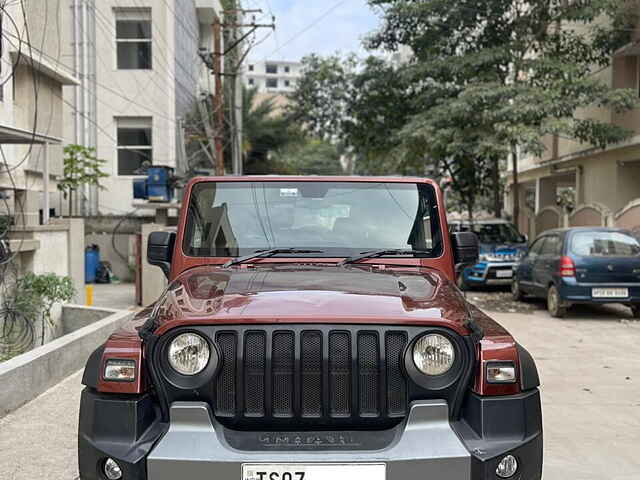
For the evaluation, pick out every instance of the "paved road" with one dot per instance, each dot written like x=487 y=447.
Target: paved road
x=590 y=367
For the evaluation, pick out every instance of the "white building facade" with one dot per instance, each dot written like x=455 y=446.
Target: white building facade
x=149 y=78
x=273 y=76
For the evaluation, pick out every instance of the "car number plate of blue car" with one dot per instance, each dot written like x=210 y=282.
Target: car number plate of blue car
x=314 y=471
x=610 y=292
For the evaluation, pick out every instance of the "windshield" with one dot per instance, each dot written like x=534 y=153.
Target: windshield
x=337 y=218
x=604 y=244
x=494 y=233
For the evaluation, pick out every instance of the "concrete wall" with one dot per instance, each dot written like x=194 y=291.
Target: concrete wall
x=26 y=376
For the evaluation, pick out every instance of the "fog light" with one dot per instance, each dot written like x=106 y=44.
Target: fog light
x=507 y=467
x=112 y=470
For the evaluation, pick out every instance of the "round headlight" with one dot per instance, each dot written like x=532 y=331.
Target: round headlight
x=189 y=354
x=434 y=354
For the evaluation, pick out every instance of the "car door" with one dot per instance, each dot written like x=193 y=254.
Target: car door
x=525 y=269
x=546 y=264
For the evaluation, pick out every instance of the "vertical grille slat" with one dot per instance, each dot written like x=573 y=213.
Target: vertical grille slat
x=395 y=343
x=340 y=374
x=311 y=373
x=282 y=367
x=368 y=374
x=226 y=382
x=254 y=373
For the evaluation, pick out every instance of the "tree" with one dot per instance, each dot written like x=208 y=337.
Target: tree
x=314 y=157
x=265 y=131
x=322 y=96
x=493 y=78
x=81 y=167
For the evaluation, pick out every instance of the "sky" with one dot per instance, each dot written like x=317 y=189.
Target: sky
x=311 y=26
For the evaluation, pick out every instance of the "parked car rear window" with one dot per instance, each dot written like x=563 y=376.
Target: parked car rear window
x=605 y=244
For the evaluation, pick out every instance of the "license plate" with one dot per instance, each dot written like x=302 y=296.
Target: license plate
x=504 y=273
x=320 y=471
x=610 y=292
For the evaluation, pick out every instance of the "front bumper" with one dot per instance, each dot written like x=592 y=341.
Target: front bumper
x=194 y=446
x=486 y=273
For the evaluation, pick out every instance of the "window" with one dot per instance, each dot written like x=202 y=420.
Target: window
x=536 y=248
x=135 y=147
x=251 y=68
x=287 y=69
x=271 y=68
x=551 y=246
x=272 y=83
x=605 y=244
x=133 y=39
x=287 y=83
x=337 y=218
x=252 y=81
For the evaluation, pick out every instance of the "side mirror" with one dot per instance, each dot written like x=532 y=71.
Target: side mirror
x=466 y=249
x=160 y=250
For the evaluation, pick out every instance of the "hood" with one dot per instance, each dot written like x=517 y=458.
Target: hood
x=311 y=294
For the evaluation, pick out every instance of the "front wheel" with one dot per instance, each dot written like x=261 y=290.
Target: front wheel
x=554 y=303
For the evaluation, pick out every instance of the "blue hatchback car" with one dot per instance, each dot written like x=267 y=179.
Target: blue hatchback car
x=581 y=265
x=501 y=246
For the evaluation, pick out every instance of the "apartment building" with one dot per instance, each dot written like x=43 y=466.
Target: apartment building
x=271 y=76
x=575 y=184
x=36 y=68
x=149 y=78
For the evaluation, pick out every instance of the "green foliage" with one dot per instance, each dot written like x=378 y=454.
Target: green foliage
x=27 y=303
x=265 y=132
x=81 y=167
x=493 y=78
x=45 y=291
x=315 y=157
x=323 y=95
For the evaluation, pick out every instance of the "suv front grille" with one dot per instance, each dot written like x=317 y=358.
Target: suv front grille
x=341 y=373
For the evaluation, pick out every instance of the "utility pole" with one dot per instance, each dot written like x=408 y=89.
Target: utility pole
x=218 y=100
x=214 y=61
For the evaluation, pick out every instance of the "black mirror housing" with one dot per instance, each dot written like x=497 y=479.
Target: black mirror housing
x=466 y=248
x=160 y=250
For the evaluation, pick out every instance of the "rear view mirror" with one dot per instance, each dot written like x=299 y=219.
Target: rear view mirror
x=160 y=250
x=466 y=248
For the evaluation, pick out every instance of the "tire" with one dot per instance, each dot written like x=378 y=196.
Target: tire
x=635 y=309
x=516 y=292
x=554 y=303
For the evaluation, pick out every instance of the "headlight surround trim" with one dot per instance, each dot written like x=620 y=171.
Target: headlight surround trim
x=448 y=378
x=178 y=380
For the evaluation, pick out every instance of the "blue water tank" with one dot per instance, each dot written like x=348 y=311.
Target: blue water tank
x=91 y=263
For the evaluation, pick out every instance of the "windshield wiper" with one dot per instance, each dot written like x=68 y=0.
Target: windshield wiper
x=267 y=253
x=380 y=253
